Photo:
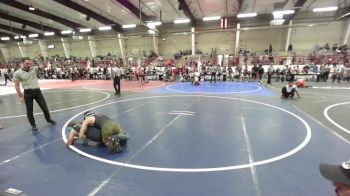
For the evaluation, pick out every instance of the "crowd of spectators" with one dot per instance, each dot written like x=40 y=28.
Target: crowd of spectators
x=102 y=67
x=181 y=53
x=336 y=48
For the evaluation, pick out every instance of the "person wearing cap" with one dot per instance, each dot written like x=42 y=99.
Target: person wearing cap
x=289 y=90
x=339 y=175
x=27 y=75
x=111 y=131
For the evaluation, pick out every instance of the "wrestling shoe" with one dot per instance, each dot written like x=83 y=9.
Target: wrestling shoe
x=51 y=121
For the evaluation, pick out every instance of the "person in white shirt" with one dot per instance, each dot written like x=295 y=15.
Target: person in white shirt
x=289 y=90
x=27 y=76
x=196 y=78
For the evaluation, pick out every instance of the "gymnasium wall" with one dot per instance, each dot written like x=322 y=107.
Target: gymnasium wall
x=58 y=50
x=13 y=51
x=135 y=46
x=79 y=48
x=107 y=45
x=33 y=50
x=178 y=37
x=259 y=40
x=173 y=44
x=224 y=42
x=2 y=58
x=304 y=39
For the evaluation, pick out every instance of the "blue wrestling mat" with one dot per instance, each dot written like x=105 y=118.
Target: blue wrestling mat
x=248 y=88
x=224 y=138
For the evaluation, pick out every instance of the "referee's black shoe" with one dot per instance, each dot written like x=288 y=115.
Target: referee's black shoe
x=51 y=121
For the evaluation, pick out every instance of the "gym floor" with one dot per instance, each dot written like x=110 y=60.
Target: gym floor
x=224 y=138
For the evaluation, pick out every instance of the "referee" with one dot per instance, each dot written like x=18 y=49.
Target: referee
x=116 y=81
x=27 y=75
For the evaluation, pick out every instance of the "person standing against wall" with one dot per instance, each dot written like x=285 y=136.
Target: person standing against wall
x=116 y=81
x=27 y=75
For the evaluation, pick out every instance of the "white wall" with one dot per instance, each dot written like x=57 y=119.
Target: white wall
x=219 y=40
x=109 y=45
x=259 y=40
x=2 y=59
x=138 y=43
x=14 y=51
x=305 y=39
x=173 y=44
x=58 y=50
x=80 y=48
x=33 y=50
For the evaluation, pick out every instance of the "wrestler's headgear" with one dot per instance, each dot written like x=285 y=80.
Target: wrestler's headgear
x=88 y=114
x=72 y=123
x=116 y=143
